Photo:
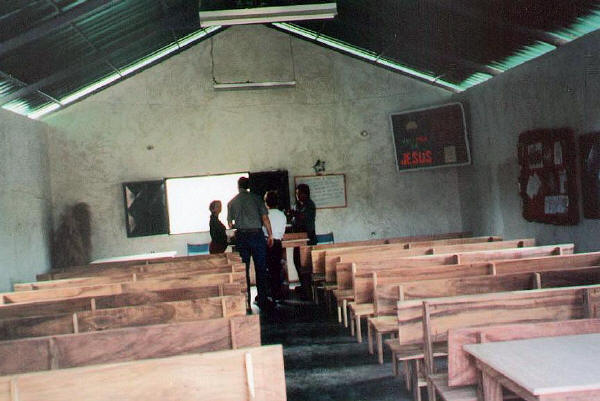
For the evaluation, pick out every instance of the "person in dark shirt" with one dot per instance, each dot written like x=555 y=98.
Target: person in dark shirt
x=247 y=213
x=303 y=220
x=218 y=236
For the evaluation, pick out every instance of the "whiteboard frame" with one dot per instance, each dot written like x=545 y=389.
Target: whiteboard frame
x=466 y=136
x=324 y=175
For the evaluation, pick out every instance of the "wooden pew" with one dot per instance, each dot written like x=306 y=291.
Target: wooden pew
x=396 y=251
x=384 y=322
x=127 y=344
x=140 y=315
x=223 y=258
x=140 y=268
x=117 y=277
x=119 y=288
x=137 y=297
x=437 y=316
x=461 y=370
x=317 y=252
x=242 y=375
x=467 y=259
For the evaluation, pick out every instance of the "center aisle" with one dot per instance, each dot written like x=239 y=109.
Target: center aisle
x=323 y=362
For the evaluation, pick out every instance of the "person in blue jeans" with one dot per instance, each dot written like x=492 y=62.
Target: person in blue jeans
x=247 y=213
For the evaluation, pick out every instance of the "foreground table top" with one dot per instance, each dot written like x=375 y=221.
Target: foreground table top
x=545 y=366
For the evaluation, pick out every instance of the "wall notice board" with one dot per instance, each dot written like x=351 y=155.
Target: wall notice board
x=327 y=190
x=430 y=138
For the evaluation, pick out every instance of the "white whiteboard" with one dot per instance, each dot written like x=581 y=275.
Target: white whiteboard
x=327 y=191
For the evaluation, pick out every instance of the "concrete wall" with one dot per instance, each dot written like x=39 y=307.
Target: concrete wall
x=558 y=90
x=25 y=200
x=99 y=143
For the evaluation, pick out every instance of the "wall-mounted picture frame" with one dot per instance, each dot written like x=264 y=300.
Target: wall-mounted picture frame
x=589 y=150
x=328 y=191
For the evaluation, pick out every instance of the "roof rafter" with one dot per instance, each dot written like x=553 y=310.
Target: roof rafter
x=53 y=24
x=459 y=7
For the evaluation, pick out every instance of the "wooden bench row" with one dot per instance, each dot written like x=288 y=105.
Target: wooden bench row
x=247 y=374
x=173 y=270
x=431 y=267
x=423 y=324
x=143 y=264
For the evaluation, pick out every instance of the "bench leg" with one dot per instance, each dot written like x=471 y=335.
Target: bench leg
x=407 y=374
x=345 y=312
x=431 y=391
x=351 y=325
x=339 y=310
x=380 y=348
x=370 y=338
x=492 y=390
x=394 y=364
x=414 y=375
x=358 y=329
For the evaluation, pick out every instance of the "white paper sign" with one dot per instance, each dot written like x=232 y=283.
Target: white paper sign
x=325 y=190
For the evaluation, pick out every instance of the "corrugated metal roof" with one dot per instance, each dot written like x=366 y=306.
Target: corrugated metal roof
x=54 y=52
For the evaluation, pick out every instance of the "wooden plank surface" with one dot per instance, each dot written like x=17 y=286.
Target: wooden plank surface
x=549 y=365
x=127 y=344
x=498 y=308
x=461 y=368
x=395 y=251
x=137 y=297
x=206 y=259
x=215 y=376
x=119 y=288
x=318 y=251
x=105 y=319
x=544 y=262
x=143 y=269
x=119 y=277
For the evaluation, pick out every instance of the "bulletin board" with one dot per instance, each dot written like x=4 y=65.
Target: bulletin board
x=547 y=179
x=431 y=138
x=327 y=190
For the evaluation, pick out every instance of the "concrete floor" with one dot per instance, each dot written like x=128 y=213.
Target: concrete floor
x=323 y=362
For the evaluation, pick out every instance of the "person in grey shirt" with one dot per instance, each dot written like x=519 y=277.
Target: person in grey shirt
x=247 y=213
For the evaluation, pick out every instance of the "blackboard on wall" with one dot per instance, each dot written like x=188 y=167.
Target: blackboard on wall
x=327 y=190
x=145 y=208
x=431 y=138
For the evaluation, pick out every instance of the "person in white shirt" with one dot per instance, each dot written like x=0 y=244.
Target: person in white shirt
x=278 y=222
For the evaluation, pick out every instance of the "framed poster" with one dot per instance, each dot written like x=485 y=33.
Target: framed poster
x=145 y=208
x=589 y=148
x=547 y=178
x=431 y=138
x=327 y=190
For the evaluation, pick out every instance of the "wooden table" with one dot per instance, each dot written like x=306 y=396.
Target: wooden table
x=541 y=369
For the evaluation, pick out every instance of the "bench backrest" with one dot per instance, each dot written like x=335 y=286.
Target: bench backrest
x=462 y=370
x=255 y=374
x=395 y=289
x=86 y=303
x=498 y=308
x=390 y=252
x=345 y=274
x=140 y=268
x=112 y=318
x=227 y=257
x=439 y=316
x=119 y=345
x=117 y=277
x=119 y=288
x=317 y=252
x=364 y=283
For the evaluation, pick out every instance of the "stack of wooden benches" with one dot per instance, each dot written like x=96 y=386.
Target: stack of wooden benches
x=127 y=330
x=407 y=290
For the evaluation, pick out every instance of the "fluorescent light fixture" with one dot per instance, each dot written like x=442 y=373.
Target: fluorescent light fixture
x=264 y=15
x=254 y=85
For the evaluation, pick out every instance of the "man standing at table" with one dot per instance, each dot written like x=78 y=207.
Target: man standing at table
x=247 y=213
